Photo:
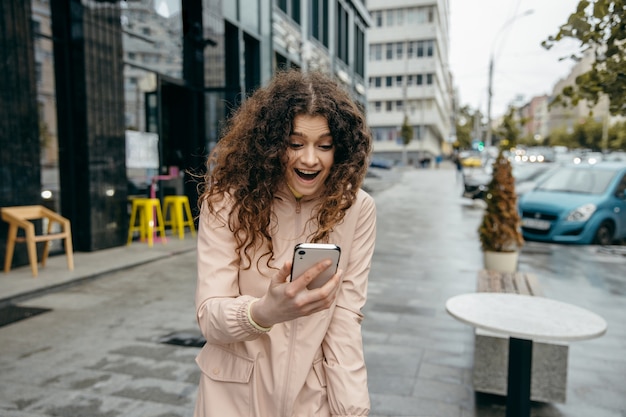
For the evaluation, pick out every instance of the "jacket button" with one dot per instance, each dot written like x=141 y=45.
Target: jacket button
x=216 y=371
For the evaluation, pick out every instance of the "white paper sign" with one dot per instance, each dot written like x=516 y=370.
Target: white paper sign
x=142 y=149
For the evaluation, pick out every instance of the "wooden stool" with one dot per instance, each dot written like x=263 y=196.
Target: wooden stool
x=21 y=217
x=146 y=209
x=178 y=214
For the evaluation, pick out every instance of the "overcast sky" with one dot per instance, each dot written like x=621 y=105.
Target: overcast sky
x=521 y=65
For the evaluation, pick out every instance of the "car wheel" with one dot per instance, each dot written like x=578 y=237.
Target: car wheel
x=604 y=234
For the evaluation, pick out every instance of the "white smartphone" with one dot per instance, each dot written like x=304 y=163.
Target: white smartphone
x=305 y=255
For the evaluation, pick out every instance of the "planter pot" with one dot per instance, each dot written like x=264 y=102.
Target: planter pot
x=500 y=261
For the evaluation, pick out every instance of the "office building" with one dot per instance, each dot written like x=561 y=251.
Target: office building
x=409 y=77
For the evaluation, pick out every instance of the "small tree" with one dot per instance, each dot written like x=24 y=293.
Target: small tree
x=500 y=227
x=406 y=133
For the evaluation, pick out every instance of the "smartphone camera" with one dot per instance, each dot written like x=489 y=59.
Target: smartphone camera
x=301 y=252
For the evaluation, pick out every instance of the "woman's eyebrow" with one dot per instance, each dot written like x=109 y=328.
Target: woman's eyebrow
x=323 y=135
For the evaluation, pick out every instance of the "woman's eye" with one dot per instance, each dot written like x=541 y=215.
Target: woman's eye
x=326 y=147
x=294 y=145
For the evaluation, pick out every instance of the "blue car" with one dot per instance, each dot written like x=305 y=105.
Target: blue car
x=579 y=204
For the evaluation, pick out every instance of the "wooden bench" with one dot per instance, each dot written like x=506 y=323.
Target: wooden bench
x=508 y=282
x=491 y=351
x=21 y=217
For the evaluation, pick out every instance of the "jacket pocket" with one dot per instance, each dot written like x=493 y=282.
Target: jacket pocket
x=223 y=365
x=320 y=372
x=226 y=384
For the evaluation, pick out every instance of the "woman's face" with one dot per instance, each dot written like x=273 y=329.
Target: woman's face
x=311 y=154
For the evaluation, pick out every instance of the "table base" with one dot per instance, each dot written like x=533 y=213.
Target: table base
x=518 y=385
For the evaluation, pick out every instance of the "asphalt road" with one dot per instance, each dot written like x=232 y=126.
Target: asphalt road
x=100 y=351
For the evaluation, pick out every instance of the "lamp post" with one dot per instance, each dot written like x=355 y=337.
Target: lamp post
x=490 y=88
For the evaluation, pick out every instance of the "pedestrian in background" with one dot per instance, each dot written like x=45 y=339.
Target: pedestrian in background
x=456 y=158
x=288 y=169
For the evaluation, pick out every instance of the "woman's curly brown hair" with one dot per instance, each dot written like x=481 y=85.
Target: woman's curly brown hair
x=248 y=163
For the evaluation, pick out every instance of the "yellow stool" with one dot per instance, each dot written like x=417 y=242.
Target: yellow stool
x=146 y=209
x=178 y=214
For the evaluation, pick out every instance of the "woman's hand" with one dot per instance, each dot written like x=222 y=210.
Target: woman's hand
x=286 y=301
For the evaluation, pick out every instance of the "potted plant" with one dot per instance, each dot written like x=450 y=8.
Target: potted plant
x=499 y=232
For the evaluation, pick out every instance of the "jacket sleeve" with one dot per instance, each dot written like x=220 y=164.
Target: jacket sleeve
x=221 y=311
x=346 y=375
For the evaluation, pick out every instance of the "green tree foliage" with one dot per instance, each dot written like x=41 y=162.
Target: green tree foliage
x=509 y=130
x=600 y=26
x=560 y=137
x=464 y=127
x=406 y=131
x=587 y=135
x=617 y=136
x=499 y=230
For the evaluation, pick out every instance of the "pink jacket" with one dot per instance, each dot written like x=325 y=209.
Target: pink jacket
x=311 y=366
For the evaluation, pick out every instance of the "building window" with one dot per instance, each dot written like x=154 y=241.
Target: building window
x=295 y=11
x=319 y=20
x=342 y=33
x=411 y=16
x=411 y=47
x=425 y=14
x=378 y=106
x=400 y=16
x=389 y=51
x=291 y=8
x=378 y=82
x=430 y=45
x=376 y=52
x=390 y=17
x=388 y=81
x=420 y=79
x=409 y=80
x=359 y=50
x=388 y=105
x=420 y=48
x=377 y=17
x=399 y=50
x=429 y=79
x=398 y=80
x=399 y=105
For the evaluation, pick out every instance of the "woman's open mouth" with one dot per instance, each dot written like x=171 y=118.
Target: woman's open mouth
x=307 y=175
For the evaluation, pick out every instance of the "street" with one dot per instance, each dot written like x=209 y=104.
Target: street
x=100 y=351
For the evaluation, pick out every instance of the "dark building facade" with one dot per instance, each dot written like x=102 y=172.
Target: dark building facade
x=90 y=101
x=229 y=49
x=19 y=133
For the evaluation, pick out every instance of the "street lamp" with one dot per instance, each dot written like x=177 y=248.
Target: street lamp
x=490 y=88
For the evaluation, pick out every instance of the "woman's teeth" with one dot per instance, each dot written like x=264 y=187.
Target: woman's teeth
x=308 y=175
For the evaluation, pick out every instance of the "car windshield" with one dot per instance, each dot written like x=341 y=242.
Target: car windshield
x=528 y=172
x=578 y=180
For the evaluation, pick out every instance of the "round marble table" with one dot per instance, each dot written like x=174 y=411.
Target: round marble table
x=524 y=318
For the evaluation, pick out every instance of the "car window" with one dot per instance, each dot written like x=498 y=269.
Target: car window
x=621 y=188
x=584 y=181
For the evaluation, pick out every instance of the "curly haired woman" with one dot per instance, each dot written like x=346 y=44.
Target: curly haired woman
x=288 y=169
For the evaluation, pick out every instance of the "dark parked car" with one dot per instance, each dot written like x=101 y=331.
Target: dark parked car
x=583 y=204
x=526 y=175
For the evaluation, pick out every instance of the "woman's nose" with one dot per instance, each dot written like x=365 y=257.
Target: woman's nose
x=309 y=156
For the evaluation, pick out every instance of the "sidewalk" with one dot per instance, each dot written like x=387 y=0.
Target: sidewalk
x=19 y=283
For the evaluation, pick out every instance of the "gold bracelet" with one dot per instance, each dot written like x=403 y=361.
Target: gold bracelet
x=254 y=323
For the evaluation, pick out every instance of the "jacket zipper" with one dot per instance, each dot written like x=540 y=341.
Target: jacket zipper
x=293 y=326
x=286 y=389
